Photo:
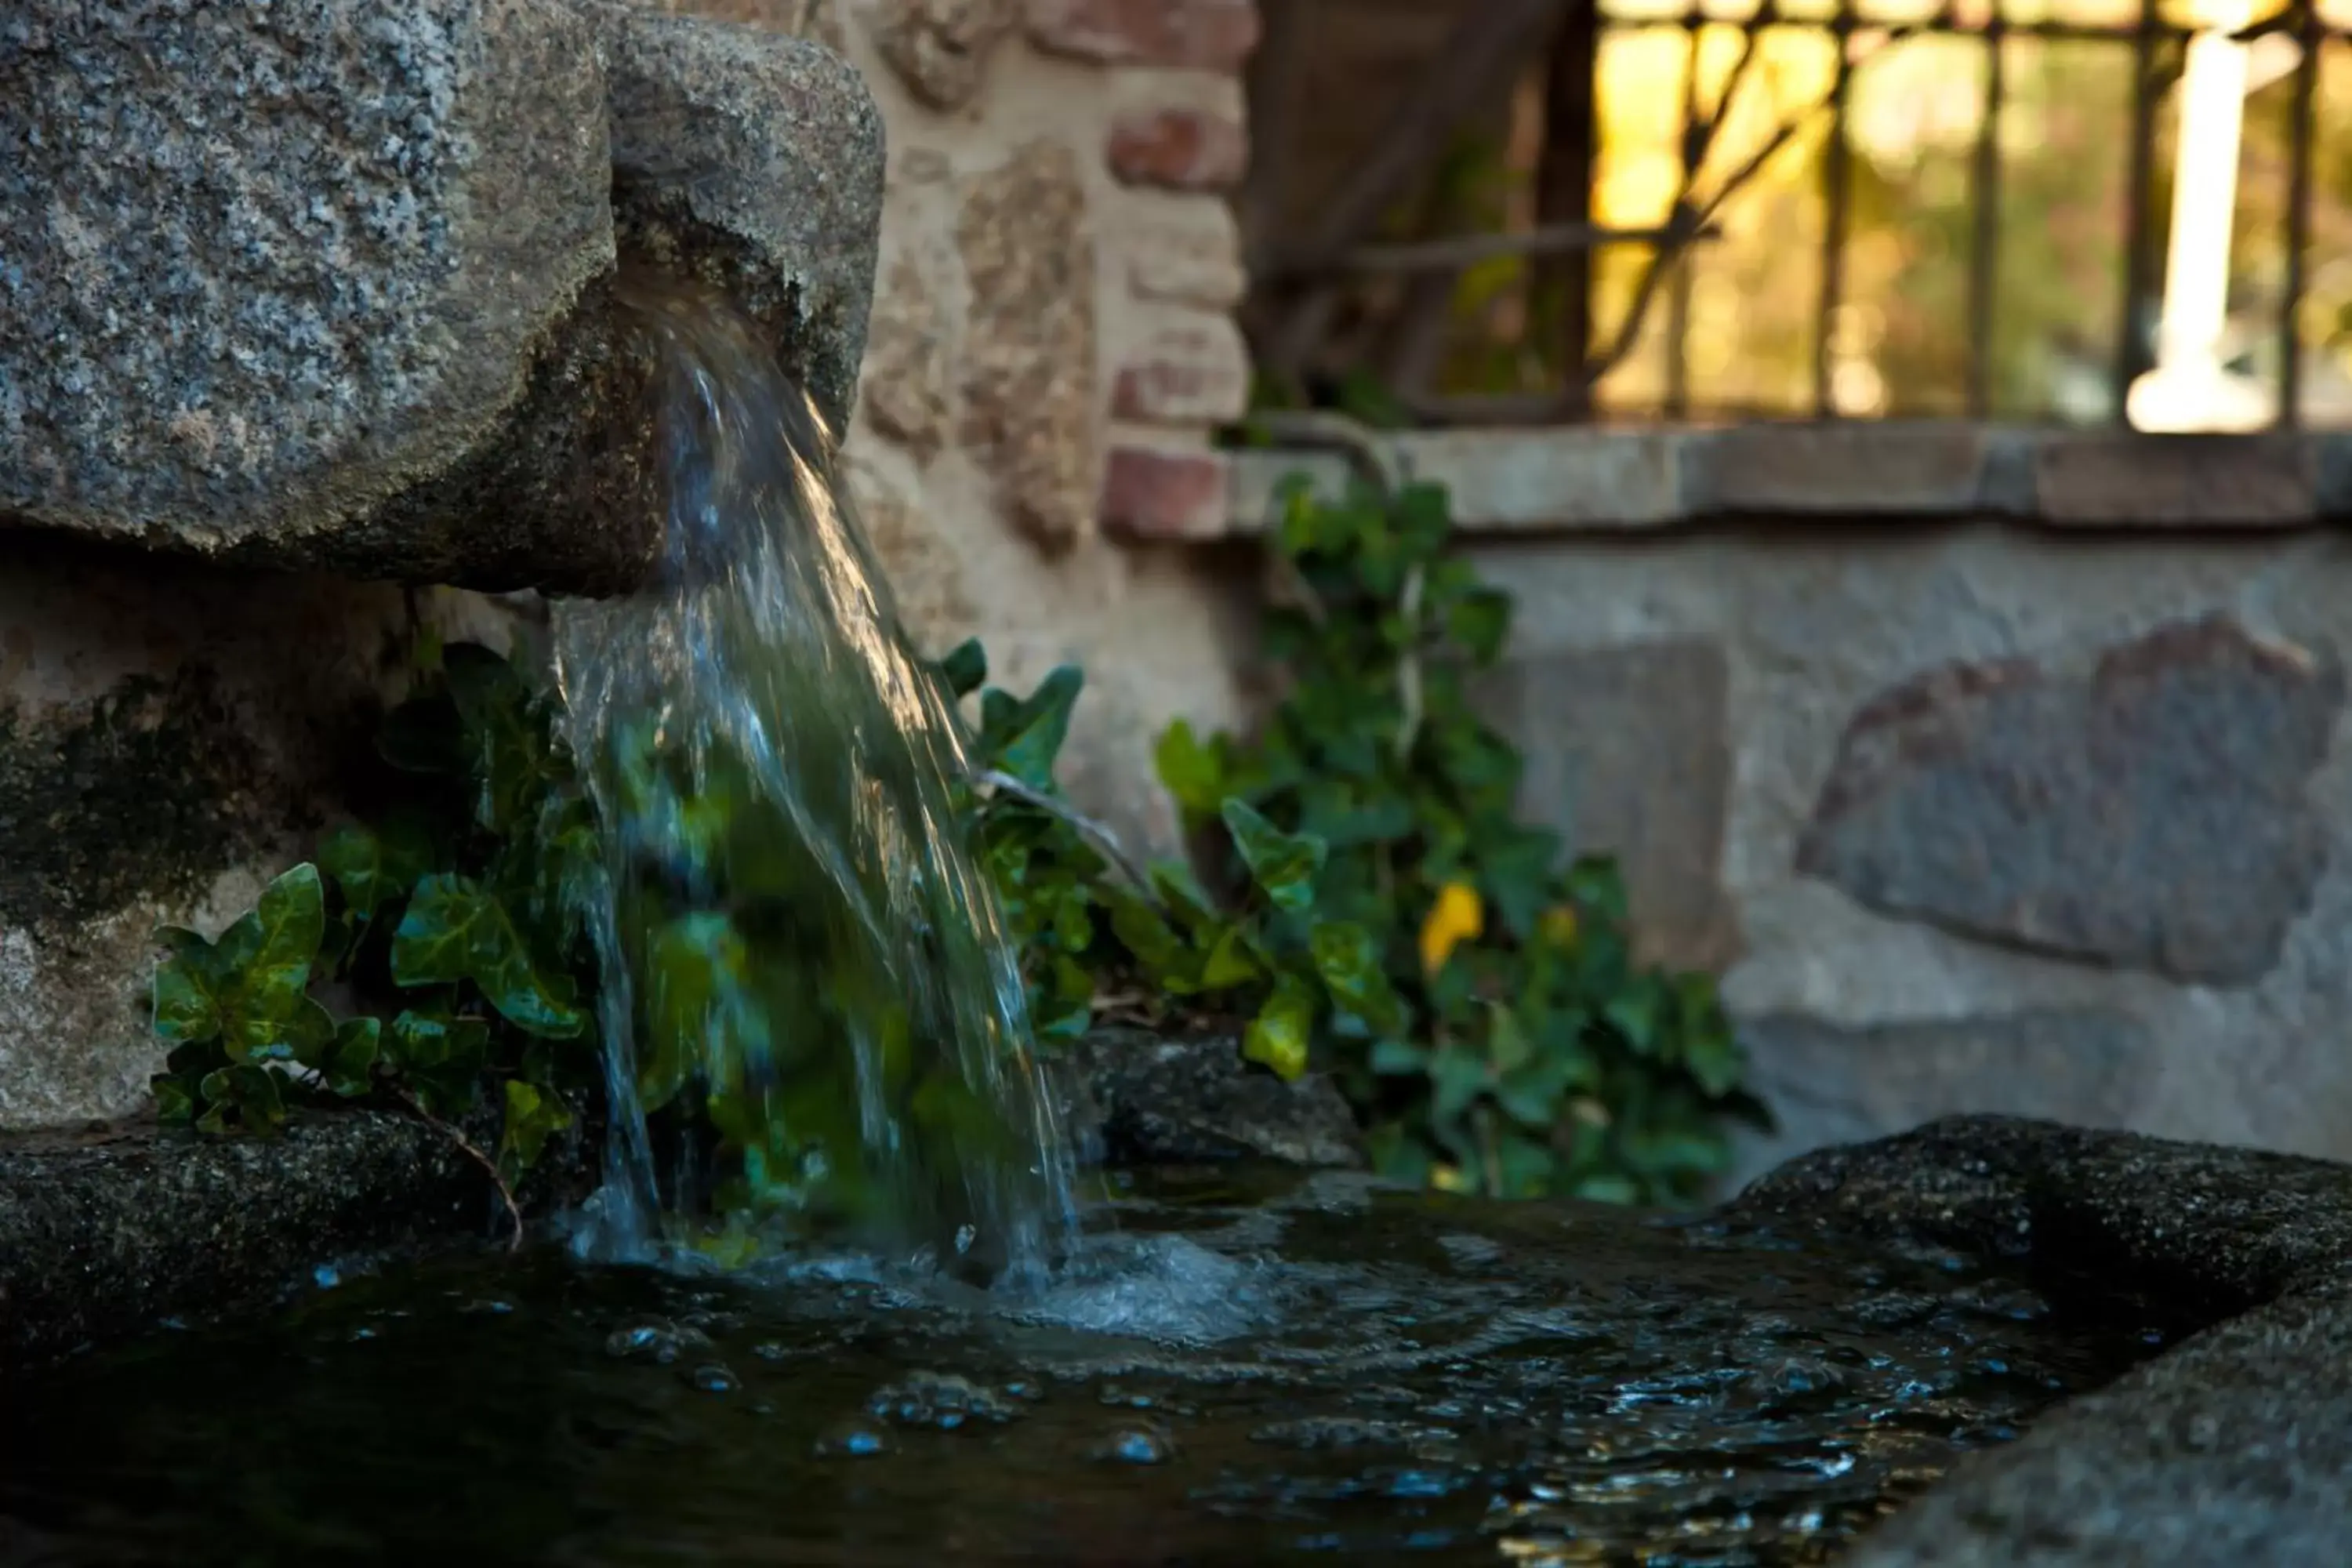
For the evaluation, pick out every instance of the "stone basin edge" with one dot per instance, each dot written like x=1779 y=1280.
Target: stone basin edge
x=2232 y=1446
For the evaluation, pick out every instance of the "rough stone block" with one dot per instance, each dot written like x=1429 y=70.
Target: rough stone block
x=1628 y=752
x=2148 y=811
x=939 y=48
x=1159 y=492
x=1026 y=235
x=1185 y=252
x=1873 y=469
x=1179 y=149
x=1522 y=481
x=1190 y=370
x=1207 y=34
x=2178 y=481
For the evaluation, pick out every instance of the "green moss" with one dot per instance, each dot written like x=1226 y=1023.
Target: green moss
x=150 y=789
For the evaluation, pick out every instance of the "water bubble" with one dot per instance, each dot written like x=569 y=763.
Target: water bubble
x=1138 y=1445
x=712 y=1377
x=939 y=1400
x=853 y=1440
x=770 y=1349
x=656 y=1340
x=326 y=1277
x=489 y=1306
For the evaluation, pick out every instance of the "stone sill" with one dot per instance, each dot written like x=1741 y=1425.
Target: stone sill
x=1582 y=479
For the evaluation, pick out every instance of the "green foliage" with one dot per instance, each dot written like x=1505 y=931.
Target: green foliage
x=1380 y=911
x=450 y=925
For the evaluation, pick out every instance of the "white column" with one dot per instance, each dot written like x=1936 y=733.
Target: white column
x=2188 y=390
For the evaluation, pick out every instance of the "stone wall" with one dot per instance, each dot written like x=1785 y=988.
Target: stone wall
x=1996 y=770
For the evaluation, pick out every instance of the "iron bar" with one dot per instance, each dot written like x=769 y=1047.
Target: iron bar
x=1984 y=237
x=1837 y=180
x=2298 y=212
x=2131 y=350
x=1690 y=152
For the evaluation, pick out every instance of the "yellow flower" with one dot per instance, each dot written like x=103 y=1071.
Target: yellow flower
x=1456 y=917
x=1558 y=926
x=1450 y=1179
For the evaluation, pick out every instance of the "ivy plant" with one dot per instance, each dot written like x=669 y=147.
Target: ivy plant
x=451 y=930
x=1369 y=902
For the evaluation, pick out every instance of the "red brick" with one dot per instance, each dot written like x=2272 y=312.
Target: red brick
x=1205 y=34
x=1195 y=371
x=1179 y=150
x=1157 y=492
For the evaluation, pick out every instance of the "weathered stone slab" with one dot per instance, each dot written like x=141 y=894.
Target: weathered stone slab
x=2148 y=812
x=2178 y=481
x=2235 y=1446
x=1133 y=1097
x=1628 y=752
x=1860 y=469
x=328 y=284
x=1827 y=1084
x=103 y=1233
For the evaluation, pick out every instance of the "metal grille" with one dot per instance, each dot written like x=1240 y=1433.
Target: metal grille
x=1497 y=38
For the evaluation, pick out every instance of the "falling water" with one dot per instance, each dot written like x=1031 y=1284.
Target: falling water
x=811 y=1012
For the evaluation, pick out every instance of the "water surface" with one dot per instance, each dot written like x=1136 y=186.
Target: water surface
x=1333 y=1373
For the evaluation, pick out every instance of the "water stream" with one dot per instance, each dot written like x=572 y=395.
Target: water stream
x=810 y=1010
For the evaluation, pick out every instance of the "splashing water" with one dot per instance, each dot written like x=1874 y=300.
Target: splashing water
x=810 y=1011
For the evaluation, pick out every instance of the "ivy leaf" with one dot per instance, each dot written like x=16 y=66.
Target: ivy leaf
x=248 y=990
x=1457 y=1079
x=1229 y=962
x=1712 y=1055
x=965 y=669
x=1194 y=772
x=346 y=1061
x=1063 y=1008
x=254 y=1094
x=372 y=868
x=1025 y=737
x=532 y=1116
x=1173 y=881
x=507 y=733
x=1146 y=934
x=1480 y=621
x=1635 y=1016
x=1349 y=962
x=442 y=1056
x=453 y=931
x=1507 y=1043
x=1284 y=864
x=175 y=1100
x=1277 y=1037
x=1398 y=1058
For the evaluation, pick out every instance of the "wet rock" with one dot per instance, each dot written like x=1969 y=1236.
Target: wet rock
x=2147 y=811
x=2234 y=1448
x=103 y=1233
x=324 y=285
x=1027 y=237
x=1138 y=1099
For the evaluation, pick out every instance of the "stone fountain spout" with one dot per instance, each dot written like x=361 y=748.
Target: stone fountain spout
x=328 y=285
